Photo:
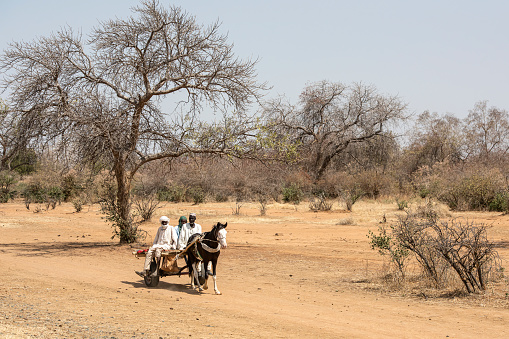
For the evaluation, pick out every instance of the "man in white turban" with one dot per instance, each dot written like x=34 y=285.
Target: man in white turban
x=166 y=239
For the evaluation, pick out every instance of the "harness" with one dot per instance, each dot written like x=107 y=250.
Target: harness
x=207 y=248
x=210 y=249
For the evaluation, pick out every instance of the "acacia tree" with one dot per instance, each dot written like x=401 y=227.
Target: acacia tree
x=99 y=98
x=332 y=116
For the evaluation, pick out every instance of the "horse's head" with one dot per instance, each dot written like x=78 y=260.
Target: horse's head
x=220 y=230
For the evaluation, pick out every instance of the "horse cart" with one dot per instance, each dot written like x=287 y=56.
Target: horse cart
x=167 y=265
x=202 y=249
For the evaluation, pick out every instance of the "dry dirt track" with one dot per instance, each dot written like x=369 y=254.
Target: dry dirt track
x=292 y=273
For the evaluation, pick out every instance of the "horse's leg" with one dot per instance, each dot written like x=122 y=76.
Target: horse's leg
x=214 y=264
x=206 y=285
x=192 y=273
x=195 y=276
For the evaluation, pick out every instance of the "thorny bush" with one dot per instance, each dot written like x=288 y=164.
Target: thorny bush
x=462 y=246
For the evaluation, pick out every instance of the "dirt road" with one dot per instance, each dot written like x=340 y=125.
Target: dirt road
x=290 y=274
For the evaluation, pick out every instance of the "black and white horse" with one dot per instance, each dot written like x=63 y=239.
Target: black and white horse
x=206 y=249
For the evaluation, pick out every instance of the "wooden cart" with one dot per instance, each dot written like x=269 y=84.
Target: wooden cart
x=167 y=265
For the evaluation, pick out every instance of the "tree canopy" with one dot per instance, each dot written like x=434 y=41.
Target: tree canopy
x=100 y=97
x=332 y=116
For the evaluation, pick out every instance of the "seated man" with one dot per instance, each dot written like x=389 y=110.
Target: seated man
x=182 y=222
x=165 y=239
x=187 y=230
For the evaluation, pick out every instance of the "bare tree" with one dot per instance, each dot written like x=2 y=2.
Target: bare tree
x=375 y=153
x=100 y=98
x=487 y=131
x=331 y=116
x=434 y=139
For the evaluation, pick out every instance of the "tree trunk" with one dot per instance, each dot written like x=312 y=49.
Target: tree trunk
x=127 y=231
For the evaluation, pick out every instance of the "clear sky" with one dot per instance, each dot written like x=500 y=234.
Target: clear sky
x=437 y=55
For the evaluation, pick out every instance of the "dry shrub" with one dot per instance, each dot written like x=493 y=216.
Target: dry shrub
x=456 y=245
x=345 y=221
x=430 y=208
x=351 y=196
x=330 y=184
x=44 y=186
x=220 y=180
x=447 y=252
x=374 y=183
x=471 y=187
x=320 y=204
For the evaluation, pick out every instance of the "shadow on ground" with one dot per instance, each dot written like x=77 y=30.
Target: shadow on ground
x=46 y=248
x=184 y=287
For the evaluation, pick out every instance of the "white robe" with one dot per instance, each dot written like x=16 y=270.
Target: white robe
x=165 y=239
x=185 y=233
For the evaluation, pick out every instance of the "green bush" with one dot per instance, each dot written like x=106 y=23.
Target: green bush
x=34 y=193
x=25 y=162
x=197 y=195
x=174 y=193
x=55 y=193
x=402 y=204
x=292 y=193
x=500 y=203
x=387 y=244
x=70 y=187
x=37 y=193
x=474 y=192
x=424 y=192
x=221 y=197
x=7 y=181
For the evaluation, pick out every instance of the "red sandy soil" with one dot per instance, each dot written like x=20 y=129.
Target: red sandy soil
x=292 y=273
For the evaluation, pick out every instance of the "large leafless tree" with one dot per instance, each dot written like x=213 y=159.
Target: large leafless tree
x=331 y=116
x=100 y=97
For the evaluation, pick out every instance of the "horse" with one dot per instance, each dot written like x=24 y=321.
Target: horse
x=206 y=248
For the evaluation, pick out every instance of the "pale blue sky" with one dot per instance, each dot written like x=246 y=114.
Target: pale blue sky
x=437 y=55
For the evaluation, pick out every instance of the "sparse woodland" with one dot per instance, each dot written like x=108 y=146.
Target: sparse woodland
x=81 y=121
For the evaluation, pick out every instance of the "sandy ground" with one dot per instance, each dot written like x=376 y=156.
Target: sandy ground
x=290 y=274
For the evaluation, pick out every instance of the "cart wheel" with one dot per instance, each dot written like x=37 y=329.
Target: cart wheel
x=152 y=280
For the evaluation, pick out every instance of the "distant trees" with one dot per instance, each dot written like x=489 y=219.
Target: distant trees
x=7 y=142
x=99 y=99
x=332 y=116
x=482 y=136
x=487 y=132
x=434 y=139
